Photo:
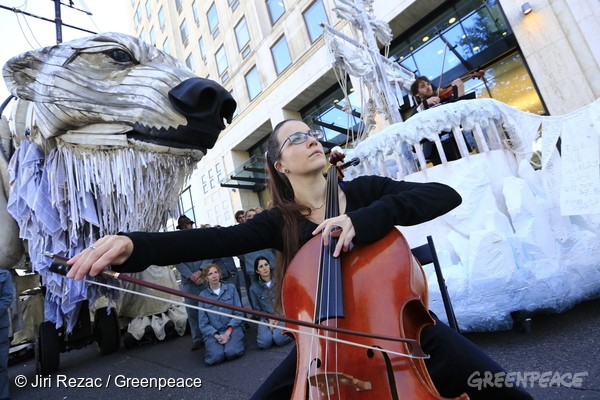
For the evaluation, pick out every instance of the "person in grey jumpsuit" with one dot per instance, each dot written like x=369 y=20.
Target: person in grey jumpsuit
x=263 y=292
x=223 y=335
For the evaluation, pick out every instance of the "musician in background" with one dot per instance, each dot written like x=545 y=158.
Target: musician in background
x=427 y=96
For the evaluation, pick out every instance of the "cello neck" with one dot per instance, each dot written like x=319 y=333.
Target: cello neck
x=332 y=204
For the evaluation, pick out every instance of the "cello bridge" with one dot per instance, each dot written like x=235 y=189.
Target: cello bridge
x=326 y=382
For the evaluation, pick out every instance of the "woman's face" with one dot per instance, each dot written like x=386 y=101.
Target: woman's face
x=263 y=269
x=212 y=276
x=250 y=214
x=299 y=159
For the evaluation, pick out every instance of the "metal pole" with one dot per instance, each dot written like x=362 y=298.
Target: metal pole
x=58 y=21
x=17 y=11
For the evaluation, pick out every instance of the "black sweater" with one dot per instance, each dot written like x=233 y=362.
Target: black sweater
x=374 y=204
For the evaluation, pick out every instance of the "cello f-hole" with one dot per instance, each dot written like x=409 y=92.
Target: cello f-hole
x=317 y=361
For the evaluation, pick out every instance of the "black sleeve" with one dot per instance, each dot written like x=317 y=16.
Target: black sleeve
x=167 y=248
x=376 y=204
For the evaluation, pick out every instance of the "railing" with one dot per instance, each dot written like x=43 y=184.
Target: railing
x=492 y=124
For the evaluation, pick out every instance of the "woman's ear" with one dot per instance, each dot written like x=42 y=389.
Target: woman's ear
x=279 y=167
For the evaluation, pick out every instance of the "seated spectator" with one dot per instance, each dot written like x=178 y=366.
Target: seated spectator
x=250 y=214
x=227 y=265
x=240 y=216
x=263 y=294
x=223 y=336
x=247 y=261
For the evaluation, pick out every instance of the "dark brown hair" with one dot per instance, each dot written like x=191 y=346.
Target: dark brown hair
x=256 y=261
x=293 y=214
x=414 y=88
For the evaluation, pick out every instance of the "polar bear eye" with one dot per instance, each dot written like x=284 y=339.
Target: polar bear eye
x=120 y=56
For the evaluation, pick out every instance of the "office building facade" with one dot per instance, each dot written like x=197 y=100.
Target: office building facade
x=540 y=56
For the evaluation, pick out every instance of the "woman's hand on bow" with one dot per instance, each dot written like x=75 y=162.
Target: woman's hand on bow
x=340 y=227
x=108 y=250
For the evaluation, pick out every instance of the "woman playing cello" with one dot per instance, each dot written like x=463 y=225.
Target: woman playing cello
x=370 y=207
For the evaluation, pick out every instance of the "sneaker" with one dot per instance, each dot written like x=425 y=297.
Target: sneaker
x=197 y=345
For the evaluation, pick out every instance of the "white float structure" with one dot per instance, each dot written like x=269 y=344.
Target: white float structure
x=524 y=238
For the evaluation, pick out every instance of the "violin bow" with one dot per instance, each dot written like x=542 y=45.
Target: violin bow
x=443 y=66
x=60 y=266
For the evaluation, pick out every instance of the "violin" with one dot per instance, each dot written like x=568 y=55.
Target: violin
x=348 y=293
x=450 y=92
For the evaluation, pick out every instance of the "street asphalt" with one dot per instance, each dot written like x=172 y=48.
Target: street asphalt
x=560 y=353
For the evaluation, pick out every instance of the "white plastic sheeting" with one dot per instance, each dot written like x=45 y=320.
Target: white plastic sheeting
x=512 y=245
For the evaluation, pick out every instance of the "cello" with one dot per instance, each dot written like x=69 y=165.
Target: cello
x=346 y=292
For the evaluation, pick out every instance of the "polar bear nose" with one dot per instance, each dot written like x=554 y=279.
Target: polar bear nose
x=203 y=101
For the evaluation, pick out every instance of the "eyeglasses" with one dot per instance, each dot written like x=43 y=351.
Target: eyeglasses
x=301 y=137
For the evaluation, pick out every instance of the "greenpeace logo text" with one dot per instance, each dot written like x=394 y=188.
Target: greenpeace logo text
x=526 y=379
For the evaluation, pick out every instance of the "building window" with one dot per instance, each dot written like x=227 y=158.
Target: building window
x=233 y=4
x=467 y=34
x=219 y=171
x=204 y=184
x=326 y=112
x=202 y=48
x=179 y=5
x=213 y=20
x=143 y=35
x=183 y=30
x=237 y=109
x=161 y=19
x=243 y=37
x=221 y=59
x=253 y=83
x=211 y=179
x=166 y=47
x=137 y=18
x=313 y=17
x=189 y=61
x=148 y=9
x=152 y=36
x=281 y=55
x=196 y=12
x=276 y=10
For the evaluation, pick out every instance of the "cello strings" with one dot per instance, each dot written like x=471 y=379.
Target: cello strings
x=333 y=200
x=330 y=212
x=318 y=304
